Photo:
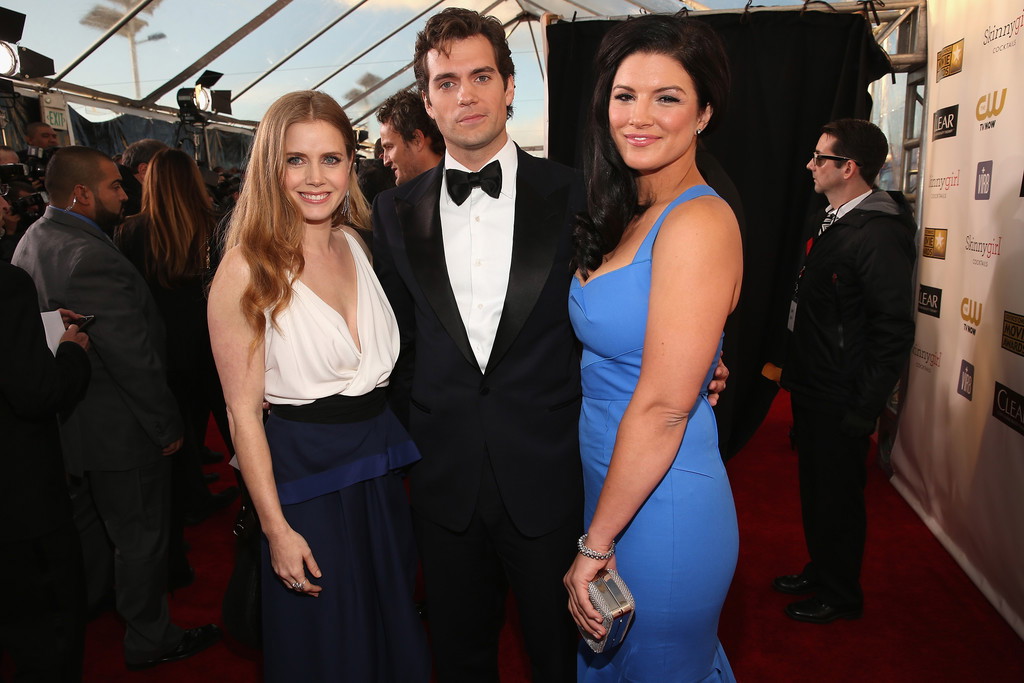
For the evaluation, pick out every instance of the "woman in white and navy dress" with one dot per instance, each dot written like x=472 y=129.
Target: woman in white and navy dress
x=298 y=319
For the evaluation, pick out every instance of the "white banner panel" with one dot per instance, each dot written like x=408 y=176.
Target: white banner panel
x=959 y=456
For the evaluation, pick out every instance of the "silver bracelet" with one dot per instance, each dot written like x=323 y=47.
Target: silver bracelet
x=581 y=545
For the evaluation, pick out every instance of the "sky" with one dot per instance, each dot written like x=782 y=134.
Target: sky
x=189 y=28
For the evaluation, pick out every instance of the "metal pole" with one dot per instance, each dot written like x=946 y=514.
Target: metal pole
x=135 y=63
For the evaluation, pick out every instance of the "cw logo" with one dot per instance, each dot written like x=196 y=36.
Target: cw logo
x=990 y=105
x=970 y=311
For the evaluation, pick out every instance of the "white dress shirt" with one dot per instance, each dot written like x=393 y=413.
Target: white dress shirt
x=478 y=250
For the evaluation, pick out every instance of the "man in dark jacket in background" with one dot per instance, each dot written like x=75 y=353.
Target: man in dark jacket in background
x=42 y=586
x=853 y=327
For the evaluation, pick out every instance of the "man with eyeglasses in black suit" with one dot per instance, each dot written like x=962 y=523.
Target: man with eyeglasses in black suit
x=852 y=328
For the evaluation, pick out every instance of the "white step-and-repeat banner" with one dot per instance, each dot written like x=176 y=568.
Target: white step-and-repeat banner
x=959 y=457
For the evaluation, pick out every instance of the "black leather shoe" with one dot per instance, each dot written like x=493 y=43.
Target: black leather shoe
x=793 y=584
x=193 y=642
x=817 y=611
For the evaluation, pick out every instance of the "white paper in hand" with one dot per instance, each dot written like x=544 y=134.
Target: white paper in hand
x=54 y=328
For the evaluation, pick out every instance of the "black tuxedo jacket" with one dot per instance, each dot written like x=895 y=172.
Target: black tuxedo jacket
x=521 y=414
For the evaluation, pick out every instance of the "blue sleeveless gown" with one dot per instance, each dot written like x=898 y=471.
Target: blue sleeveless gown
x=679 y=552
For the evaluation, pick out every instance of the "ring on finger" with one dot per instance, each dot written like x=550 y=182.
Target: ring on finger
x=297 y=585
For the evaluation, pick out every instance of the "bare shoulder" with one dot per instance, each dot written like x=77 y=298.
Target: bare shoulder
x=232 y=274
x=707 y=220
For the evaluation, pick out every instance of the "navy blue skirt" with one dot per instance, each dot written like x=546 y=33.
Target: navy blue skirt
x=339 y=488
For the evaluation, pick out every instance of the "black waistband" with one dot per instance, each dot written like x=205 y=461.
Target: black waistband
x=335 y=409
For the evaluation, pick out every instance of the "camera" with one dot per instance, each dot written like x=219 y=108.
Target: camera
x=12 y=172
x=30 y=205
x=36 y=159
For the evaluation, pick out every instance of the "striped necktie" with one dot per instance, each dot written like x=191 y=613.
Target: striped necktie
x=830 y=218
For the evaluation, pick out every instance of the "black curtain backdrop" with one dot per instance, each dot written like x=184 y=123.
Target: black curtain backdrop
x=792 y=72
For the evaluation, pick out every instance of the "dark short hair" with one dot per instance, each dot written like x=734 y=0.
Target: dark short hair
x=71 y=166
x=455 y=24
x=33 y=127
x=405 y=114
x=140 y=152
x=860 y=140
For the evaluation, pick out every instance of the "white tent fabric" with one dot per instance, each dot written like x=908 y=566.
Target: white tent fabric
x=138 y=53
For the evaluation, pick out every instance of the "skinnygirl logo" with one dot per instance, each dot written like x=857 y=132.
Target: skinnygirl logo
x=1003 y=36
x=986 y=249
x=945 y=182
x=925 y=360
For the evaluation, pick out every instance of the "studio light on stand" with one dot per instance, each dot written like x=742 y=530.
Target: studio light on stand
x=16 y=62
x=195 y=105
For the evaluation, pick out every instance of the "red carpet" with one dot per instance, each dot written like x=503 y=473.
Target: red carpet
x=923 y=621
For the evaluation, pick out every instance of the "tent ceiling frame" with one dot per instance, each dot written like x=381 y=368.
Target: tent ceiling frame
x=222 y=47
x=905 y=16
x=384 y=40
x=300 y=48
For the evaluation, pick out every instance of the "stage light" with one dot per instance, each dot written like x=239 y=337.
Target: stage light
x=8 y=60
x=194 y=101
x=17 y=61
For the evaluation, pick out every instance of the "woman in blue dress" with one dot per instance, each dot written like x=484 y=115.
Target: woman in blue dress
x=298 y=319
x=659 y=263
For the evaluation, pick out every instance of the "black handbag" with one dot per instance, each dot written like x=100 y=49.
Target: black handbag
x=241 y=607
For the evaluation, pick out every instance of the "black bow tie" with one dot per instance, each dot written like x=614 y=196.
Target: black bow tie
x=461 y=183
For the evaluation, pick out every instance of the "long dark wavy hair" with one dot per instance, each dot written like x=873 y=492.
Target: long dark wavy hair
x=613 y=199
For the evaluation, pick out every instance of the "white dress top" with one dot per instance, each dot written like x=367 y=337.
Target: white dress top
x=310 y=352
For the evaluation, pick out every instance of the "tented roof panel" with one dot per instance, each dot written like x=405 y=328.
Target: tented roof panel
x=146 y=59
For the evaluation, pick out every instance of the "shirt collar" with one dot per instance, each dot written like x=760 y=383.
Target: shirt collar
x=848 y=206
x=84 y=219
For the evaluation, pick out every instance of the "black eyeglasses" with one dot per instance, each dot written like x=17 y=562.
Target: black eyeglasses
x=819 y=159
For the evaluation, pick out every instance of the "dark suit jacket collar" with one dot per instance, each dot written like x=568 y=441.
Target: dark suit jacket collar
x=540 y=213
x=70 y=219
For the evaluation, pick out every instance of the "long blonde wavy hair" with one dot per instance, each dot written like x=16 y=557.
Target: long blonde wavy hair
x=267 y=224
x=179 y=214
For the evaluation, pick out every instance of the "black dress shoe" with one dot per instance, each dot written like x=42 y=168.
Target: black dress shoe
x=793 y=584
x=817 y=611
x=194 y=641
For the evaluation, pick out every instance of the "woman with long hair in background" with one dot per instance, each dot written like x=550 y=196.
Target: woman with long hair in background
x=169 y=243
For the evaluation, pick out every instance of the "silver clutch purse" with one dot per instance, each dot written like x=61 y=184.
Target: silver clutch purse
x=611 y=598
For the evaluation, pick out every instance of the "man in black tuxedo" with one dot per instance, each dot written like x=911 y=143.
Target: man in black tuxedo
x=116 y=439
x=42 y=588
x=477 y=270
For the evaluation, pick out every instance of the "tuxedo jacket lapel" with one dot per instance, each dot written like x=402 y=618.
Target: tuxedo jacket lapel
x=538 y=227
x=420 y=218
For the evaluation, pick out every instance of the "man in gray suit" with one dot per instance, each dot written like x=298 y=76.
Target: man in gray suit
x=116 y=439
